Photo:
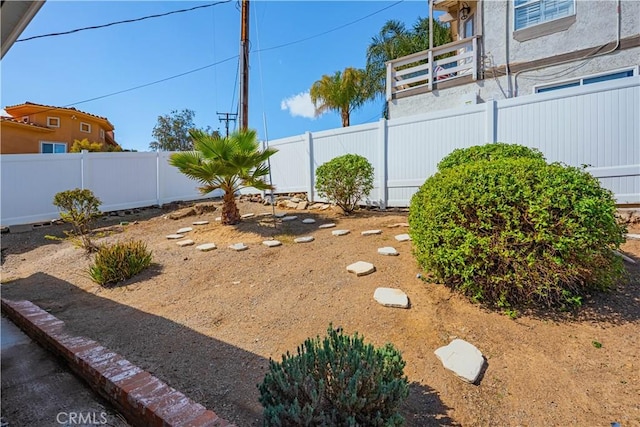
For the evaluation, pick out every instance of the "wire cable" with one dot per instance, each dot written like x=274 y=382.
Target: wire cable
x=126 y=21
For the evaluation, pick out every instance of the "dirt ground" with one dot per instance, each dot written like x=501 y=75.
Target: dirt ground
x=208 y=322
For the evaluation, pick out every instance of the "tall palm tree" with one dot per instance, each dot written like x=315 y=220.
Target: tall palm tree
x=343 y=92
x=228 y=164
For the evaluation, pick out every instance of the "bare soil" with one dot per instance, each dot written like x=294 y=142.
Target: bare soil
x=207 y=323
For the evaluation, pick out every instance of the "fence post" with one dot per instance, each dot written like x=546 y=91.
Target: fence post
x=383 y=164
x=83 y=168
x=312 y=171
x=158 y=181
x=491 y=123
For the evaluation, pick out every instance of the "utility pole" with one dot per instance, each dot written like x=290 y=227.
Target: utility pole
x=244 y=66
x=226 y=118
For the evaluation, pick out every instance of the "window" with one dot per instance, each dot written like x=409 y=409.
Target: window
x=586 y=80
x=85 y=127
x=533 y=12
x=53 y=122
x=53 y=147
x=101 y=133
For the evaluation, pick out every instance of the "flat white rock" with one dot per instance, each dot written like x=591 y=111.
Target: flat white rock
x=305 y=239
x=289 y=218
x=264 y=214
x=633 y=236
x=329 y=225
x=463 y=358
x=398 y=224
x=340 y=232
x=390 y=297
x=247 y=215
x=361 y=268
x=206 y=247
x=174 y=236
x=371 y=232
x=308 y=221
x=184 y=230
x=187 y=242
x=272 y=243
x=403 y=237
x=200 y=223
x=238 y=247
x=218 y=218
x=388 y=250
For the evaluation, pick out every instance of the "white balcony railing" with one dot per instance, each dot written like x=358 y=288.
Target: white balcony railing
x=423 y=69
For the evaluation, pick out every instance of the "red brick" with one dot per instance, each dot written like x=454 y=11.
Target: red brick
x=188 y=413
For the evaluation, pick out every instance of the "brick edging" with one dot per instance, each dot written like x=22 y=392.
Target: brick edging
x=143 y=399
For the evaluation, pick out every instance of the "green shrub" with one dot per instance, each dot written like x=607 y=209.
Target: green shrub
x=517 y=232
x=118 y=262
x=336 y=381
x=345 y=180
x=494 y=151
x=78 y=208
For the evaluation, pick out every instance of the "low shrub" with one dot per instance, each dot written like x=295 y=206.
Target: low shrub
x=118 y=262
x=494 y=151
x=345 y=180
x=78 y=208
x=336 y=381
x=516 y=232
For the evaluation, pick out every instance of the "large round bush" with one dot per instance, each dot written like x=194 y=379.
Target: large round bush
x=494 y=151
x=517 y=232
x=336 y=381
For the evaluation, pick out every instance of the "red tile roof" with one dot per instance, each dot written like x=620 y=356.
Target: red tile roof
x=14 y=120
x=52 y=107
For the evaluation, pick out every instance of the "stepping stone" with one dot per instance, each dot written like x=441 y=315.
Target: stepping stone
x=633 y=236
x=388 y=250
x=371 y=232
x=361 y=268
x=184 y=230
x=200 y=223
x=340 y=232
x=390 y=297
x=218 y=218
x=183 y=243
x=464 y=359
x=247 y=215
x=398 y=224
x=289 y=218
x=272 y=243
x=403 y=237
x=239 y=247
x=174 y=236
x=280 y=214
x=329 y=225
x=309 y=221
x=206 y=247
x=305 y=239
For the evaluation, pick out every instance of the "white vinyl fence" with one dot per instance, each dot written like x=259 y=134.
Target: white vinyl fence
x=596 y=125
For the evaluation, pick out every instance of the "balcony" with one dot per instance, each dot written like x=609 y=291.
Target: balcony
x=425 y=71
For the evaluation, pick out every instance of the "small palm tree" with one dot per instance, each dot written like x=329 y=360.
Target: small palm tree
x=344 y=91
x=228 y=164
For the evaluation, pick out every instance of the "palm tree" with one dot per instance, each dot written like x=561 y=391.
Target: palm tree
x=228 y=164
x=344 y=92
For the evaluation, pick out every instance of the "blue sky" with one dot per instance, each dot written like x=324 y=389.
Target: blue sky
x=66 y=70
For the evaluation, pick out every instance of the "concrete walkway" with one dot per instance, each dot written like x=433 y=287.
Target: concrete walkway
x=39 y=390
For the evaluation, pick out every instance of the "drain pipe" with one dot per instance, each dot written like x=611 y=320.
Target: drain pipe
x=586 y=57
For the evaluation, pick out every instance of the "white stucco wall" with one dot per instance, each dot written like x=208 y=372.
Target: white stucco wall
x=595 y=26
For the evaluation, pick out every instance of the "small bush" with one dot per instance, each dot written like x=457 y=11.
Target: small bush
x=517 y=232
x=118 y=262
x=345 y=180
x=495 y=151
x=78 y=208
x=336 y=381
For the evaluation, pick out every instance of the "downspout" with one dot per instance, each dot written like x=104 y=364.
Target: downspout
x=506 y=53
x=618 y=37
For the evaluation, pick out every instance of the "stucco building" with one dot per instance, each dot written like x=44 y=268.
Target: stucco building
x=36 y=128
x=505 y=49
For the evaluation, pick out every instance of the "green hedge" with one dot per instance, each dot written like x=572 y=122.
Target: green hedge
x=494 y=151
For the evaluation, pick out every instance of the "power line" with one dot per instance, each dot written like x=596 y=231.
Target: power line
x=126 y=21
x=234 y=57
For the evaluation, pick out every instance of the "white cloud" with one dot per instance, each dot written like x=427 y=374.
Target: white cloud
x=299 y=105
